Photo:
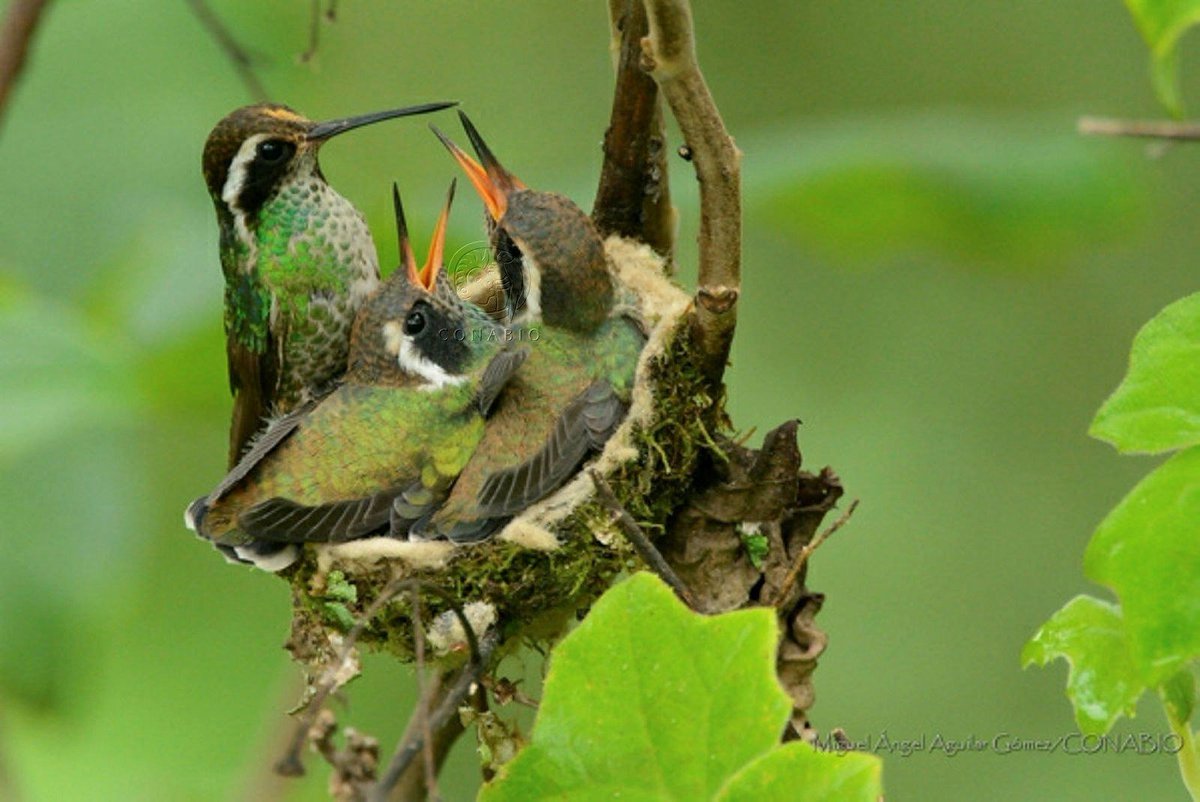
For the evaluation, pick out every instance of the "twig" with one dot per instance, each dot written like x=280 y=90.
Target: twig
x=1145 y=129
x=669 y=55
x=290 y=764
x=633 y=198
x=15 y=36
x=410 y=745
x=793 y=575
x=422 y=700
x=641 y=544
x=233 y=51
x=423 y=733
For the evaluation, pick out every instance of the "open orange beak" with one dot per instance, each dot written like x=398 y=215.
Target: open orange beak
x=426 y=276
x=437 y=247
x=490 y=179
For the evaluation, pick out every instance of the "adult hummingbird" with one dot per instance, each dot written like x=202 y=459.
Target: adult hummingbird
x=298 y=258
x=574 y=389
x=384 y=446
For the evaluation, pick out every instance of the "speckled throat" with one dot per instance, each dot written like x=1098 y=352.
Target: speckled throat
x=295 y=277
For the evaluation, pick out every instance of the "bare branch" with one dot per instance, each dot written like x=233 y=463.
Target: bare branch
x=633 y=198
x=641 y=544
x=15 y=36
x=1145 y=129
x=233 y=51
x=669 y=55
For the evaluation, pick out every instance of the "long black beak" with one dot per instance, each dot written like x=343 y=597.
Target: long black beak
x=331 y=128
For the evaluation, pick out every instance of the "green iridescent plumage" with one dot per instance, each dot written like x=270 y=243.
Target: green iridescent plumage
x=297 y=257
x=384 y=446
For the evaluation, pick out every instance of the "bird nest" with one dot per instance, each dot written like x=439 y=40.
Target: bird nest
x=550 y=562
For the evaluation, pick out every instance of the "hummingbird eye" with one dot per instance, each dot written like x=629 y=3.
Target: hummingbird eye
x=414 y=323
x=273 y=151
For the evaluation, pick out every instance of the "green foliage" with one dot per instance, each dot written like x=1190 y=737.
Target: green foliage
x=1008 y=195
x=1157 y=406
x=649 y=701
x=1103 y=683
x=1162 y=23
x=1147 y=549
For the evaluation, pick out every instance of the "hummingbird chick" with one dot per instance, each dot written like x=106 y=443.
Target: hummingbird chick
x=575 y=387
x=383 y=447
x=297 y=257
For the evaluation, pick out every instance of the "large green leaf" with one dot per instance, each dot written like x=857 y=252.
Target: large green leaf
x=971 y=189
x=797 y=771
x=1162 y=23
x=1148 y=551
x=1102 y=683
x=649 y=701
x=1157 y=406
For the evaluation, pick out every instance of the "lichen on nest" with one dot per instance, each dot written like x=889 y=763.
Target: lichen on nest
x=555 y=558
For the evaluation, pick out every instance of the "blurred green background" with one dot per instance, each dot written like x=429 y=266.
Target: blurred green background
x=941 y=280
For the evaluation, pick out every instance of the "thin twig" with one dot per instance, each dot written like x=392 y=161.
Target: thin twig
x=425 y=733
x=290 y=764
x=422 y=699
x=314 y=33
x=15 y=36
x=641 y=544
x=669 y=55
x=233 y=51
x=410 y=745
x=633 y=198
x=1145 y=129
x=793 y=575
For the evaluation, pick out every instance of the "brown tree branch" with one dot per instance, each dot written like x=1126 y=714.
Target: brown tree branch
x=669 y=55
x=1145 y=129
x=19 y=25
x=233 y=50
x=633 y=198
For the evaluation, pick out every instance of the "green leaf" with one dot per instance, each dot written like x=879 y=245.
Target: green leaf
x=1162 y=23
x=1157 y=406
x=970 y=189
x=1179 y=696
x=647 y=700
x=1148 y=551
x=797 y=771
x=1102 y=683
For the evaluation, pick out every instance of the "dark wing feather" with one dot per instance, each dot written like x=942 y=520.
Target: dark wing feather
x=265 y=444
x=254 y=380
x=585 y=425
x=282 y=520
x=496 y=375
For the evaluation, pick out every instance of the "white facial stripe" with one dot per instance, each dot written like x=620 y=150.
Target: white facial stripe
x=532 y=313
x=237 y=171
x=401 y=346
x=393 y=336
